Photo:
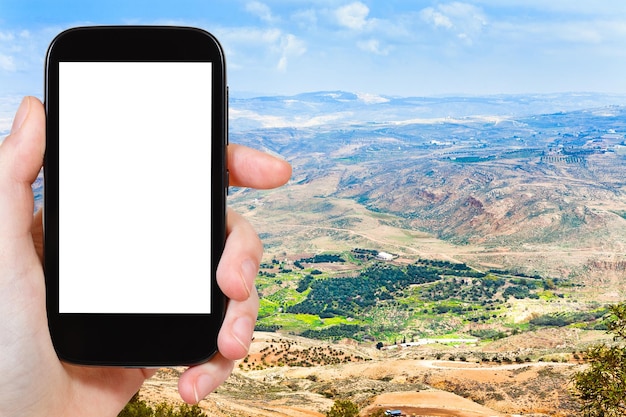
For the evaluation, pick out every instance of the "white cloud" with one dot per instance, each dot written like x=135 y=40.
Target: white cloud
x=561 y=7
x=252 y=47
x=261 y=10
x=436 y=18
x=6 y=36
x=290 y=46
x=374 y=46
x=18 y=51
x=353 y=16
x=305 y=18
x=249 y=35
x=7 y=63
x=591 y=32
x=464 y=20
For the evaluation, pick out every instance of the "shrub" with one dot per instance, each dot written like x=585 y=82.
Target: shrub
x=601 y=388
x=343 y=408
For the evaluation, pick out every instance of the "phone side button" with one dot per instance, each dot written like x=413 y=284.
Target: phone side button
x=227 y=182
x=227 y=115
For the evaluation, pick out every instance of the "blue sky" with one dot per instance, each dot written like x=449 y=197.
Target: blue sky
x=387 y=47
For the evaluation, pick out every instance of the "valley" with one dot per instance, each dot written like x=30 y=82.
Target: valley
x=439 y=256
x=540 y=194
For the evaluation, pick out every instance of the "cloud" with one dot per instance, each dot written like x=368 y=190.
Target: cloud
x=250 y=35
x=6 y=36
x=436 y=18
x=7 y=63
x=252 y=47
x=305 y=18
x=353 y=16
x=374 y=46
x=464 y=20
x=610 y=33
x=290 y=46
x=261 y=10
x=16 y=49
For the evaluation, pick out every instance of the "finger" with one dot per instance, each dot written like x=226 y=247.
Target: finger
x=235 y=335
x=199 y=381
x=21 y=157
x=255 y=169
x=240 y=261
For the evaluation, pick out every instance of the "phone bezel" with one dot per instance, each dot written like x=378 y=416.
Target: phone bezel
x=134 y=340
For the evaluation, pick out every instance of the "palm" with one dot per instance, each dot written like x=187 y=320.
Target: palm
x=94 y=391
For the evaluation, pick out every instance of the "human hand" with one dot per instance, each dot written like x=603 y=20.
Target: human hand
x=33 y=382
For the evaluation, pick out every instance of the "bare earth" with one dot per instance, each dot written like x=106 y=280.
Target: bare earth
x=393 y=379
x=432 y=403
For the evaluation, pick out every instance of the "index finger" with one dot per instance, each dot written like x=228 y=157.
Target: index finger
x=255 y=169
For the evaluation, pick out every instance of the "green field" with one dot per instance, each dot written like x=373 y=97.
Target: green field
x=372 y=299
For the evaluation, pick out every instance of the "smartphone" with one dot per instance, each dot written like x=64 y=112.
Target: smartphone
x=135 y=183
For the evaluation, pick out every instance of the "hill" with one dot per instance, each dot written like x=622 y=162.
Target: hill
x=491 y=182
x=437 y=379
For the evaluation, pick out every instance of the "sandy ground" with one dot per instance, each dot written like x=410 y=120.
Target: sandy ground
x=390 y=380
x=431 y=403
x=426 y=403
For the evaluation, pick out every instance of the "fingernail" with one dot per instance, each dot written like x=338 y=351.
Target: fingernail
x=242 y=331
x=248 y=273
x=21 y=114
x=202 y=388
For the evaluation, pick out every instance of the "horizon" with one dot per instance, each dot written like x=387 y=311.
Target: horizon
x=10 y=102
x=253 y=95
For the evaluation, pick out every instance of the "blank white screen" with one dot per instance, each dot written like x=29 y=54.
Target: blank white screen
x=134 y=187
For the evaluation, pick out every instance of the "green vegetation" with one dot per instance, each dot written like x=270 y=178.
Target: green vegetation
x=601 y=388
x=472 y=159
x=286 y=353
x=356 y=295
x=341 y=331
x=343 y=408
x=328 y=257
x=352 y=296
x=137 y=407
x=566 y=318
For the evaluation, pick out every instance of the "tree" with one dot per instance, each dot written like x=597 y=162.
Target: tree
x=343 y=408
x=601 y=388
x=137 y=407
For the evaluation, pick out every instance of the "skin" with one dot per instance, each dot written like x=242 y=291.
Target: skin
x=33 y=382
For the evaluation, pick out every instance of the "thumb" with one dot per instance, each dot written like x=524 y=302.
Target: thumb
x=21 y=157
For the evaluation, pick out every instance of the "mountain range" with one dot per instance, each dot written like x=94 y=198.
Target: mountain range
x=513 y=172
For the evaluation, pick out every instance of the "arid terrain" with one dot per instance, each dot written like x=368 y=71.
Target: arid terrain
x=495 y=379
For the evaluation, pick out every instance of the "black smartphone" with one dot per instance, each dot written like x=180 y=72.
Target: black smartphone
x=135 y=183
